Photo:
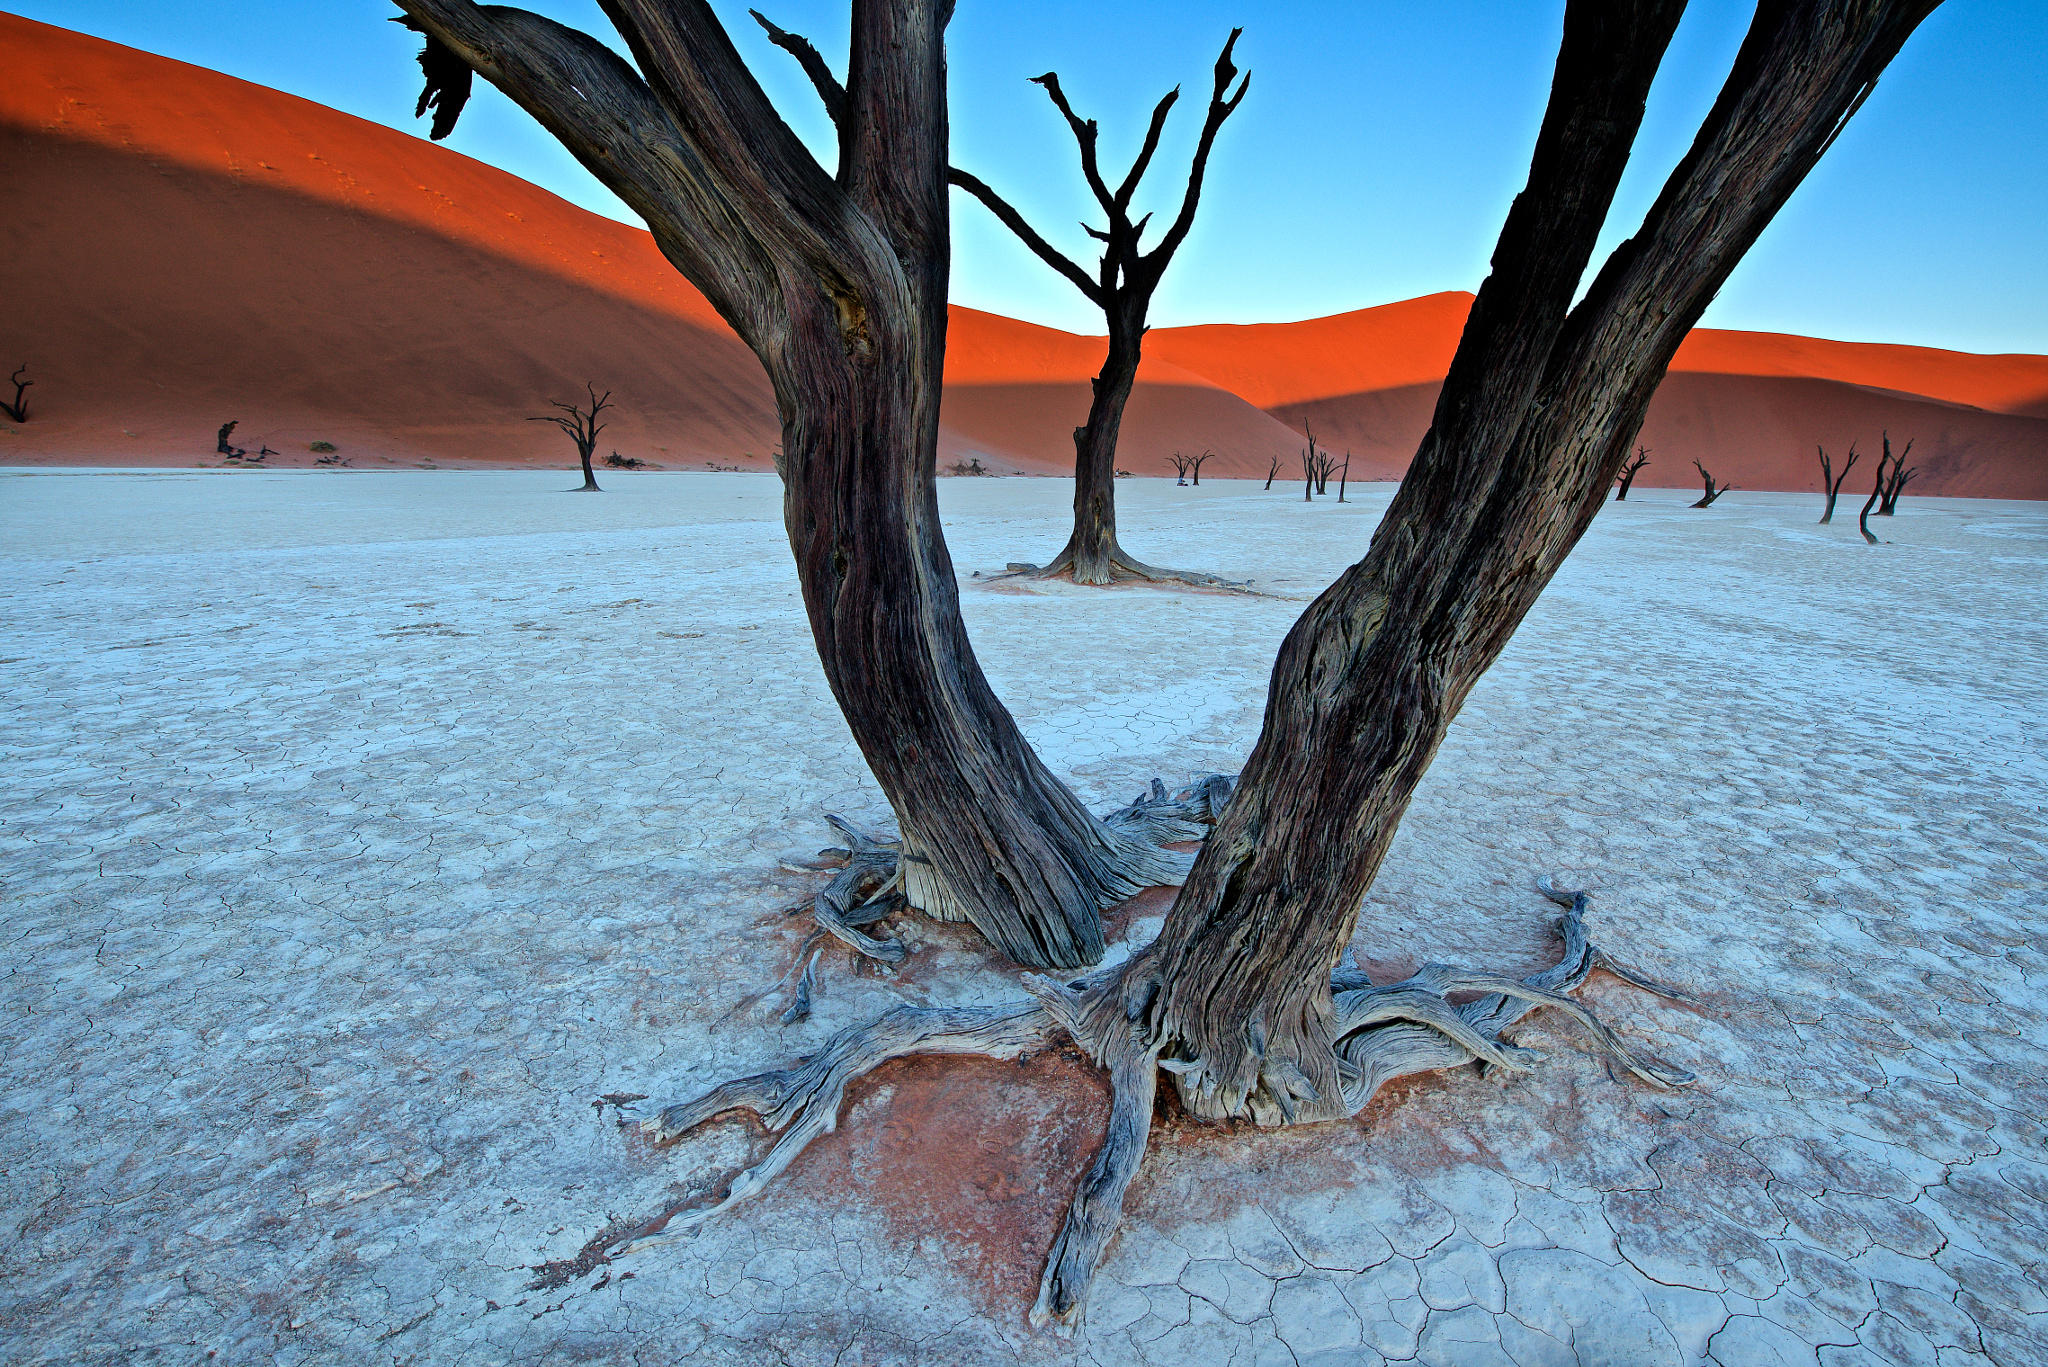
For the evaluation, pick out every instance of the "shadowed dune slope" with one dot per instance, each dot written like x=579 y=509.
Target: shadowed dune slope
x=179 y=248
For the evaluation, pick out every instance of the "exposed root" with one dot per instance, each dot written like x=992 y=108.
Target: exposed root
x=1382 y=1033
x=802 y=1102
x=1118 y=567
x=1161 y=818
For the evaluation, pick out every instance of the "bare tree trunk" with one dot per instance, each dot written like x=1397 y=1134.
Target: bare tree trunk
x=1092 y=552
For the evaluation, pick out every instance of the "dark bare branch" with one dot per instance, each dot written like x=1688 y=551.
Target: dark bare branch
x=18 y=410
x=830 y=91
x=1030 y=237
x=1221 y=107
x=1085 y=135
x=1129 y=186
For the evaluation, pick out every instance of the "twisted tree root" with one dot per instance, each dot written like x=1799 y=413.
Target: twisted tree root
x=1382 y=1033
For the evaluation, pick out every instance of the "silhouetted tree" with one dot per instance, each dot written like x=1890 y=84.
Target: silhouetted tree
x=580 y=422
x=1714 y=491
x=1195 y=465
x=18 y=410
x=1625 y=480
x=1240 y=1000
x=221 y=442
x=1895 y=484
x=1876 y=492
x=1271 y=471
x=1181 y=465
x=1830 y=482
x=1122 y=287
x=1343 y=476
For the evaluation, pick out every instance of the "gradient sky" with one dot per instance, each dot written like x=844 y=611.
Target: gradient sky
x=1372 y=161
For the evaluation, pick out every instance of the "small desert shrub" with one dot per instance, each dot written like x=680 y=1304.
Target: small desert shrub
x=619 y=462
x=320 y=448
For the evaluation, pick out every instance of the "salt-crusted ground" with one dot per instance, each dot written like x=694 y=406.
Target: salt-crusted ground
x=359 y=833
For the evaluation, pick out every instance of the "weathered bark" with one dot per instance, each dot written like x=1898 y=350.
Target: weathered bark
x=1831 y=483
x=582 y=427
x=18 y=410
x=1122 y=288
x=1714 y=490
x=1625 y=480
x=839 y=287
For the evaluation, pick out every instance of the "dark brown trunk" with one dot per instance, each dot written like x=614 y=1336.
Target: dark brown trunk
x=1092 y=549
x=589 y=475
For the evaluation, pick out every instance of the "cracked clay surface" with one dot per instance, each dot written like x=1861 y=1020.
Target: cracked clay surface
x=362 y=834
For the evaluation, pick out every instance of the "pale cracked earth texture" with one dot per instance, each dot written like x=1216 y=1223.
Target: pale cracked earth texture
x=361 y=832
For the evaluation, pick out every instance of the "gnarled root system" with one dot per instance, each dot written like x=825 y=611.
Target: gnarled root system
x=1383 y=1032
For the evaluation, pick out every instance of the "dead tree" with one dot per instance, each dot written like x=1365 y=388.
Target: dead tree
x=582 y=426
x=1122 y=287
x=18 y=410
x=1831 y=483
x=1271 y=471
x=223 y=445
x=1240 y=1000
x=837 y=281
x=1895 y=484
x=1714 y=490
x=1343 y=476
x=1876 y=493
x=1195 y=465
x=1625 y=480
x=1181 y=465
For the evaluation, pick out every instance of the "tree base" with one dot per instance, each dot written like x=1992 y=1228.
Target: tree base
x=1116 y=567
x=1382 y=1033
x=869 y=882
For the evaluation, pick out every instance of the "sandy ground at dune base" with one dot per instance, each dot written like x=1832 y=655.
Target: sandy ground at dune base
x=362 y=832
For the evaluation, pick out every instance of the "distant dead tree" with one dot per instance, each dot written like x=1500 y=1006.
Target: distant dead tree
x=1895 y=484
x=1195 y=465
x=1180 y=467
x=1625 y=481
x=1122 y=287
x=1830 y=482
x=1714 y=490
x=18 y=410
x=582 y=426
x=1271 y=471
x=221 y=442
x=1343 y=476
x=1876 y=492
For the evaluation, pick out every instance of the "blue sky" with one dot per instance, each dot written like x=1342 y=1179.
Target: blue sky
x=1372 y=161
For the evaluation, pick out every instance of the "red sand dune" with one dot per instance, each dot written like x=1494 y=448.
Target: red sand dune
x=181 y=248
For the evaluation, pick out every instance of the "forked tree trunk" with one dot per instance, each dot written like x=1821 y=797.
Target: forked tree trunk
x=839 y=286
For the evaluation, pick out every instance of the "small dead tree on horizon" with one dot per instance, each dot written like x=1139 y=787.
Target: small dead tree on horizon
x=18 y=410
x=221 y=442
x=1271 y=471
x=1895 y=484
x=1122 y=288
x=1625 y=481
x=1195 y=465
x=582 y=426
x=1180 y=467
x=1714 y=490
x=1831 y=483
x=1343 y=476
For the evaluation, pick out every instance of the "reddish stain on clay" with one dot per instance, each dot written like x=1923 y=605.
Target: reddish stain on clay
x=980 y=1155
